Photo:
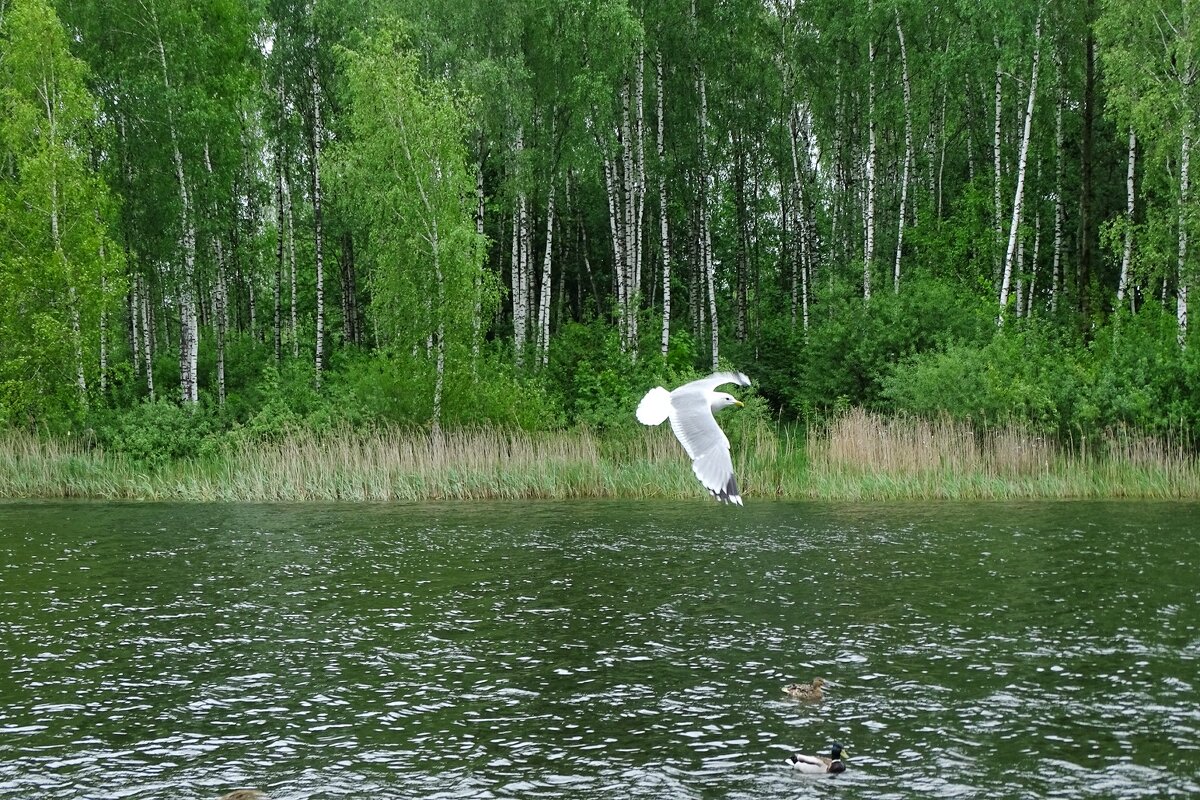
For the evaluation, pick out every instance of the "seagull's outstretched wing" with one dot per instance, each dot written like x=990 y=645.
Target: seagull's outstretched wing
x=713 y=381
x=703 y=439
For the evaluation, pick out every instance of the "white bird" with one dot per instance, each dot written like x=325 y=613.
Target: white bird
x=690 y=409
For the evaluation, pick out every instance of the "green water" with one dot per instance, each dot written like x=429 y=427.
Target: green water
x=598 y=650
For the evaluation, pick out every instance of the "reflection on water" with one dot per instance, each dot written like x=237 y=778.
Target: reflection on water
x=588 y=650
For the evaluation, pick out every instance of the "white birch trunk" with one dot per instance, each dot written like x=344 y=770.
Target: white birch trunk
x=908 y=152
x=663 y=228
x=869 y=205
x=222 y=319
x=135 y=324
x=440 y=367
x=77 y=344
x=103 y=320
x=294 y=304
x=519 y=289
x=706 y=256
x=543 y=340
x=477 y=312
x=942 y=153
x=1181 y=292
x=318 y=135
x=629 y=288
x=997 y=208
x=1033 y=271
x=1060 y=212
x=218 y=298
x=1127 y=248
x=279 y=234
x=50 y=102
x=189 y=333
x=710 y=288
x=797 y=213
x=1018 y=195
x=147 y=339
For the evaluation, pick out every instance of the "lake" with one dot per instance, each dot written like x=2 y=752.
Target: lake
x=599 y=649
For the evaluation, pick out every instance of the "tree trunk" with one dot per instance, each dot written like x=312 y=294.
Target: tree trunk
x=133 y=330
x=741 y=252
x=440 y=368
x=315 y=142
x=147 y=337
x=291 y=243
x=705 y=243
x=1181 y=292
x=477 y=309
x=1018 y=196
x=1037 y=246
x=543 y=340
x=1127 y=249
x=189 y=334
x=664 y=232
x=997 y=208
x=219 y=312
x=520 y=259
x=222 y=317
x=279 y=234
x=869 y=213
x=1087 y=169
x=908 y=151
x=1060 y=169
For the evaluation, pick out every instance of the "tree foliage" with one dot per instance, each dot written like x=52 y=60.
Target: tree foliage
x=414 y=194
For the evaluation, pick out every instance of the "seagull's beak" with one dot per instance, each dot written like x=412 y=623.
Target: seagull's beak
x=739 y=404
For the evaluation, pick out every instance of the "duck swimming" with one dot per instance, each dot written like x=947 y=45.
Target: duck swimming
x=244 y=794
x=805 y=691
x=817 y=765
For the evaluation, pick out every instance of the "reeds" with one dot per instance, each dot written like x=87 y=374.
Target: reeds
x=854 y=456
x=860 y=455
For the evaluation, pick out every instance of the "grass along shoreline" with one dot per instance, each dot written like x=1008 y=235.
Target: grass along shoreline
x=856 y=456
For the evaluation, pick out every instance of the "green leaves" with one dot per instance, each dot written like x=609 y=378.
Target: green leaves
x=59 y=269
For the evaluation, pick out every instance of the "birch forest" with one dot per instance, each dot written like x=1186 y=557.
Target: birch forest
x=259 y=215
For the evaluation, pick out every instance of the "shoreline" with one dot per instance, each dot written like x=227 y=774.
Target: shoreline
x=856 y=457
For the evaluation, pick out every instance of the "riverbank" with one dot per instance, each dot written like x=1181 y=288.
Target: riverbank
x=858 y=456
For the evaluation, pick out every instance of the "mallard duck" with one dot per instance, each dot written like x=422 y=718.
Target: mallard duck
x=244 y=794
x=805 y=691
x=816 y=765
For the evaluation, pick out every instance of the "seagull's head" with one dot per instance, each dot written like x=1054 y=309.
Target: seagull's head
x=719 y=400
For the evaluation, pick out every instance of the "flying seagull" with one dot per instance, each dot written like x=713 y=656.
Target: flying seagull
x=690 y=409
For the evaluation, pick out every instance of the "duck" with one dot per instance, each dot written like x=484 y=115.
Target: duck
x=244 y=794
x=805 y=691
x=817 y=765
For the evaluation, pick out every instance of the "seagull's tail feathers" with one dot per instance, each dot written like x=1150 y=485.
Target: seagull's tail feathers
x=655 y=406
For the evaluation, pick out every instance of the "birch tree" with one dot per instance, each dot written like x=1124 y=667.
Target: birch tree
x=1022 y=163
x=1127 y=234
x=1149 y=54
x=869 y=177
x=408 y=171
x=663 y=212
x=53 y=221
x=908 y=150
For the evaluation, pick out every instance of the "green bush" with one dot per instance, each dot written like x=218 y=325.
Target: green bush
x=852 y=346
x=1132 y=374
x=154 y=433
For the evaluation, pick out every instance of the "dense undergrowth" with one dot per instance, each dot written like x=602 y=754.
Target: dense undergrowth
x=914 y=395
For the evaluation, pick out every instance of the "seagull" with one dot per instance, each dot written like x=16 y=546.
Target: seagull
x=690 y=409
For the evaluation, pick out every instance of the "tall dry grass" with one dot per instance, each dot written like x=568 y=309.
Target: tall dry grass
x=854 y=456
x=863 y=455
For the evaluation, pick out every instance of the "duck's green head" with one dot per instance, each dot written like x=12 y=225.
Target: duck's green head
x=837 y=752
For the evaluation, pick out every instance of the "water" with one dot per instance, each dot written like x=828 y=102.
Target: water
x=598 y=650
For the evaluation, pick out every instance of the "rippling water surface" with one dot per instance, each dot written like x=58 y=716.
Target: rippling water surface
x=598 y=650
